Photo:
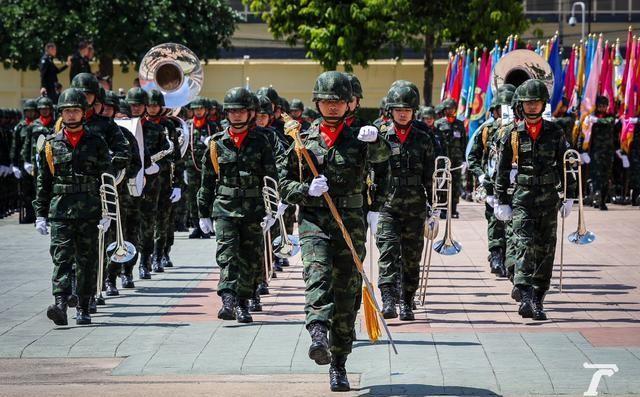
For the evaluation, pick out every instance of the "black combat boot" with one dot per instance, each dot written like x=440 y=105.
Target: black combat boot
x=526 y=302
x=127 y=277
x=516 y=293
x=58 y=311
x=242 y=312
x=93 y=305
x=319 y=349
x=142 y=267
x=443 y=214
x=227 y=311
x=156 y=262
x=263 y=288
x=406 y=307
x=495 y=257
x=166 y=260
x=454 y=211
x=338 y=373
x=196 y=233
x=284 y=262
x=388 y=301
x=277 y=265
x=538 y=300
x=83 y=317
x=111 y=286
x=254 y=303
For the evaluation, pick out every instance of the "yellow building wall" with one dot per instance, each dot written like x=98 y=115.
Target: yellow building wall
x=291 y=78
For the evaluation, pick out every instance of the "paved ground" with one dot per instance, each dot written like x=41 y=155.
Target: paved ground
x=162 y=338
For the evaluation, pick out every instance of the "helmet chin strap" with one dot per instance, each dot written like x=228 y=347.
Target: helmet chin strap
x=240 y=126
x=333 y=121
x=73 y=125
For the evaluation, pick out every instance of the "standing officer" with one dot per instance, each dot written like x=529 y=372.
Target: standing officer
x=599 y=150
x=233 y=169
x=537 y=146
x=454 y=135
x=68 y=196
x=332 y=281
x=49 y=71
x=399 y=234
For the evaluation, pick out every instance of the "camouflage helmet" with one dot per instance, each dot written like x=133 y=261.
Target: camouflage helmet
x=72 y=98
x=356 y=87
x=156 y=98
x=238 y=98
x=214 y=103
x=310 y=113
x=284 y=105
x=332 y=85
x=101 y=95
x=402 y=97
x=602 y=100
x=137 y=96
x=428 y=111
x=439 y=108
x=448 y=104
x=111 y=99
x=44 y=102
x=504 y=98
x=86 y=82
x=407 y=83
x=198 y=102
x=506 y=87
x=124 y=107
x=265 y=106
x=533 y=90
x=207 y=103
x=383 y=103
x=30 y=104
x=270 y=93
x=296 y=104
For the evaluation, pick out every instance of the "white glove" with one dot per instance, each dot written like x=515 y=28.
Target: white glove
x=593 y=119
x=105 y=223
x=585 y=158
x=491 y=201
x=481 y=179
x=565 y=209
x=4 y=170
x=282 y=207
x=153 y=169
x=176 y=194
x=28 y=167
x=633 y=120
x=41 y=226
x=372 y=219
x=206 y=141
x=502 y=212
x=625 y=161
x=318 y=186
x=512 y=175
x=206 y=225
x=16 y=172
x=368 y=133
x=465 y=165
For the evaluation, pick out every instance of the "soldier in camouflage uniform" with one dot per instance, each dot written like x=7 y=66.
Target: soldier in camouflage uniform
x=297 y=110
x=599 y=150
x=403 y=212
x=537 y=146
x=566 y=121
x=201 y=131
x=72 y=162
x=43 y=125
x=428 y=116
x=233 y=169
x=155 y=141
x=27 y=184
x=452 y=132
x=332 y=281
x=482 y=157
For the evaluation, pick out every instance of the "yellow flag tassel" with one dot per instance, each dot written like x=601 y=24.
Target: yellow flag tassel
x=370 y=316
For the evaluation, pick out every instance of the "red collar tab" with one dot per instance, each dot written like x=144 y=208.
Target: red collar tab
x=46 y=121
x=238 y=137
x=73 y=137
x=402 y=133
x=534 y=129
x=199 y=122
x=330 y=134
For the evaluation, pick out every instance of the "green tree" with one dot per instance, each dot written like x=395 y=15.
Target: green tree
x=119 y=29
x=354 y=32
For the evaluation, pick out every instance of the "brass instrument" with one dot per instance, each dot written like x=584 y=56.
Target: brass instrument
x=572 y=166
x=120 y=251
x=285 y=245
x=442 y=185
x=163 y=153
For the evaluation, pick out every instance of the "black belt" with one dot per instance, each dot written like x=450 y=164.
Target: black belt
x=237 y=192
x=407 y=181
x=74 y=188
x=351 y=201
x=530 y=180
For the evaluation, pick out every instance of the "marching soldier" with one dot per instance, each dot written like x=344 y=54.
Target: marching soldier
x=482 y=157
x=428 y=116
x=41 y=126
x=454 y=136
x=201 y=130
x=297 y=110
x=233 y=169
x=404 y=210
x=332 y=281
x=599 y=150
x=68 y=196
x=537 y=148
x=27 y=184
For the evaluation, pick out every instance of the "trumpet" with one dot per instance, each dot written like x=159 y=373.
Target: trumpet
x=572 y=166
x=442 y=185
x=120 y=251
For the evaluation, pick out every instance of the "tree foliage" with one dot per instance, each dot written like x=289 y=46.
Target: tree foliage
x=122 y=29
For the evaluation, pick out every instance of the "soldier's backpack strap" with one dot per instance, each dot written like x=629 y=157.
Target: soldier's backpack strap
x=485 y=137
x=514 y=146
x=48 y=152
x=213 y=153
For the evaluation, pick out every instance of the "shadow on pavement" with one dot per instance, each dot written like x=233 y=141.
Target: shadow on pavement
x=424 y=390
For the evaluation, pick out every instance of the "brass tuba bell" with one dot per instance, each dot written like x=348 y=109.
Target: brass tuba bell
x=519 y=66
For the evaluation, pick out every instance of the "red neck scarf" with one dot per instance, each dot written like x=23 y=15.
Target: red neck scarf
x=349 y=120
x=534 y=129
x=214 y=118
x=28 y=121
x=402 y=134
x=199 y=122
x=89 y=113
x=451 y=119
x=46 y=121
x=330 y=134
x=238 y=137
x=73 y=136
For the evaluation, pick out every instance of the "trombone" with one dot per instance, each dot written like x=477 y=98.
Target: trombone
x=120 y=251
x=442 y=185
x=572 y=166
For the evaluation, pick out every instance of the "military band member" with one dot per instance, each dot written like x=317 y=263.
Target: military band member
x=332 y=281
x=67 y=195
x=26 y=181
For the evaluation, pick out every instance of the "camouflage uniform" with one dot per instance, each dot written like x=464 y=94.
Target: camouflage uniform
x=454 y=136
x=27 y=183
